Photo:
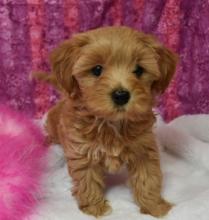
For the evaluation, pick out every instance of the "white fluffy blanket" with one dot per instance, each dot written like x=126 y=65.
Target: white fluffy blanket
x=185 y=163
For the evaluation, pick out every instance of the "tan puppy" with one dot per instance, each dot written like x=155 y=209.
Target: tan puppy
x=110 y=78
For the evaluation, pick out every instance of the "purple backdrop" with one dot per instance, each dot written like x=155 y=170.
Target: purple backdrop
x=30 y=29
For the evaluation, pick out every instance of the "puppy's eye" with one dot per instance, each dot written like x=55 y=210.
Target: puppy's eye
x=97 y=70
x=138 y=70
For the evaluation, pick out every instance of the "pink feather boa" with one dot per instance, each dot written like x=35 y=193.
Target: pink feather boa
x=22 y=164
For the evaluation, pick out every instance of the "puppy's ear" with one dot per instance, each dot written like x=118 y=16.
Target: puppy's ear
x=167 y=61
x=62 y=60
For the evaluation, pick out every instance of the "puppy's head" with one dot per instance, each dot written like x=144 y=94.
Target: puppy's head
x=115 y=71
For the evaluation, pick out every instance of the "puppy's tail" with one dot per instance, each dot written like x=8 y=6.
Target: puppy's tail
x=45 y=77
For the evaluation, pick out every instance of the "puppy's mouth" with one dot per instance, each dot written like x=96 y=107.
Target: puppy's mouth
x=120 y=112
x=120 y=109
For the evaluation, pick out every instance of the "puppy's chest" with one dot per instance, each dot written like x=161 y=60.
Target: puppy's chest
x=112 y=164
x=112 y=159
x=103 y=143
x=112 y=154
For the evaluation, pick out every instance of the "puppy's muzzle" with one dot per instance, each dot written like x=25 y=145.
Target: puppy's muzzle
x=120 y=96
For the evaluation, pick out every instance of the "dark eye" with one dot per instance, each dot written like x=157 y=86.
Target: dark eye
x=138 y=70
x=97 y=70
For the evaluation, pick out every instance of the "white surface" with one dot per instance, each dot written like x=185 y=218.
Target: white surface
x=186 y=178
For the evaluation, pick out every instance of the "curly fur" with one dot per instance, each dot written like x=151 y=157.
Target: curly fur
x=22 y=163
x=96 y=135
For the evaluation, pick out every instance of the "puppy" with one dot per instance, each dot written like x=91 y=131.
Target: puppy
x=110 y=78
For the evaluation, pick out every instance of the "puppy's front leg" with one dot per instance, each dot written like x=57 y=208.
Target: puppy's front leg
x=146 y=179
x=88 y=187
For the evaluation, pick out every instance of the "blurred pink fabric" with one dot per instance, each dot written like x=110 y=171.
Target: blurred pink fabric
x=23 y=162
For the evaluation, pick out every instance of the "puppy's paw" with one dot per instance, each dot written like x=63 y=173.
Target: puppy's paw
x=99 y=209
x=159 y=210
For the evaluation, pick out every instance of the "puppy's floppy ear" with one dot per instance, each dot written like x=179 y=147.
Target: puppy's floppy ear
x=167 y=61
x=63 y=58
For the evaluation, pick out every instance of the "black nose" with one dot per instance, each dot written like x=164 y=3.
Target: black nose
x=120 y=96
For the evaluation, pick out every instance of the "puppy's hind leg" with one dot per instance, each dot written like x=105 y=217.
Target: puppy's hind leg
x=52 y=123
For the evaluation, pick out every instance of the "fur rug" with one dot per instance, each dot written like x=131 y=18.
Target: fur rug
x=185 y=162
x=22 y=164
